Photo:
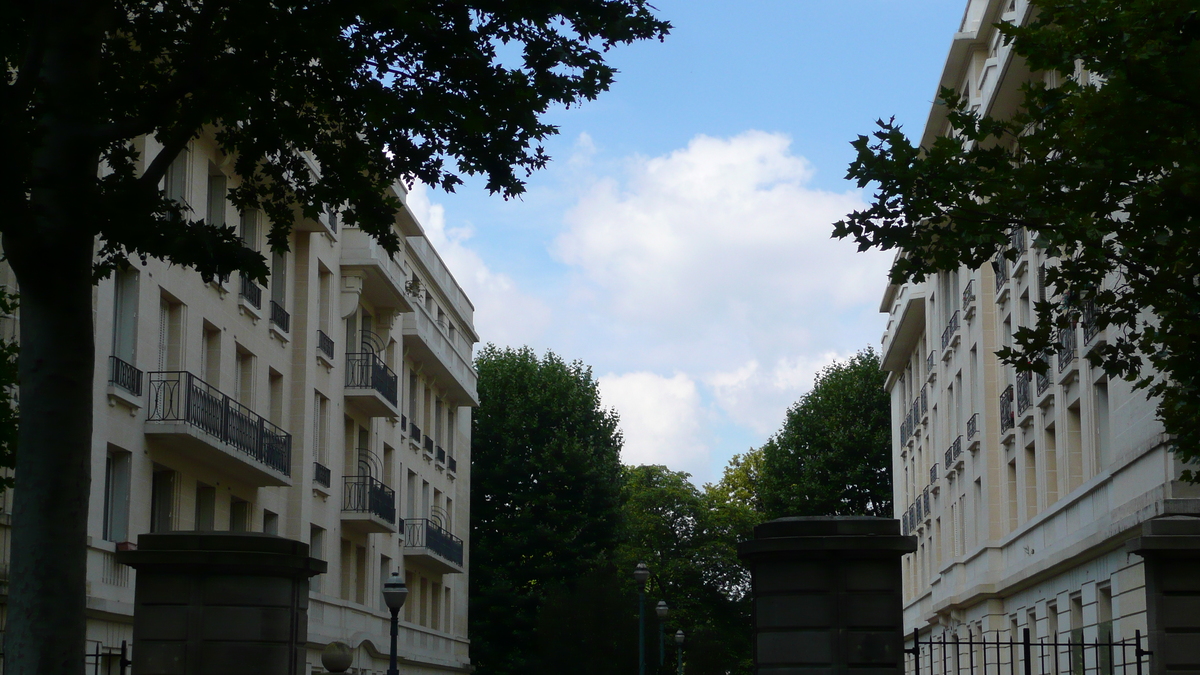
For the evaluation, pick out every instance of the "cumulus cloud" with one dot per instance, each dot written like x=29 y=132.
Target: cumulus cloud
x=660 y=419
x=717 y=259
x=504 y=313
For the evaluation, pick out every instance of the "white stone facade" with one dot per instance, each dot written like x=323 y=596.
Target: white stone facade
x=1022 y=491
x=332 y=407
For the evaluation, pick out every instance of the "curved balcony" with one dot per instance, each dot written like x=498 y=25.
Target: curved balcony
x=383 y=277
x=368 y=505
x=371 y=385
x=430 y=545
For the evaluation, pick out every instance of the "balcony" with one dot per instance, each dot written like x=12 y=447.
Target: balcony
x=953 y=453
x=321 y=475
x=250 y=292
x=451 y=464
x=1091 y=324
x=968 y=299
x=325 y=345
x=371 y=385
x=972 y=426
x=1066 y=347
x=368 y=505
x=1000 y=268
x=1007 y=419
x=280 y=318
x=428 y=445
x=1043 y=382
x=429 y=344
x=439 y=454
x=188 y=414
x=931 y=366
x=933 y=473
x=924 y=401
x=383 y=278
x=1024 y=399
x=951 y=333
x=414 y=433
x=430 y=545
x=125 y=376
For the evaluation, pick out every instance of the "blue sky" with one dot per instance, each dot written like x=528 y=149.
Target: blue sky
x=679 y=241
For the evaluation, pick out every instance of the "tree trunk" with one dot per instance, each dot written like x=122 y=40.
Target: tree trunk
x=50 y=247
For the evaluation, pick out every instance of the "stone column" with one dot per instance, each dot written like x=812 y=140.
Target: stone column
x=209 y=603
x=1171 y=550
x=827 y=595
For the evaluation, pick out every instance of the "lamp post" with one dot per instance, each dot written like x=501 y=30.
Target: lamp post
x=662 y=611
x=641 y=574
x=679 y=649
x=395 y=592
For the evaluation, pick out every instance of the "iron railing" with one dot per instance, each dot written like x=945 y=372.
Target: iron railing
x=179 y=396
x=1066 y=347
x=930 y=361
x=968 y=296
x=366 y=494
x=428 y=445
x=1043 y=382
x=933 y=473
x=321 y=474
x=414 y=432
x=1009 y=655
x=951 y=330
x=451 y=463
x=1017 y=240
x=928 y=511
x=1090 y=324
x=325 y=344
x=1007 y=419
x=1024 y=399
x=424 y=533
x=1000 y=267
x=251 y=291
x=924 y=401
x=365 y=370
x=972 y=426
x=440 y=454
x=280 y=317
x=953 y=452
x=125 y=376
x=1041 y=282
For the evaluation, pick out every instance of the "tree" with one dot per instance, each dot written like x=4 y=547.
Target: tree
x=688 y=538
x=833 y=455
x=1103 y=166
x=545 y=498
x=371 y=92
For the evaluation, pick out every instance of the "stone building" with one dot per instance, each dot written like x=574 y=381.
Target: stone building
x=1023 y=491
x=332 y=406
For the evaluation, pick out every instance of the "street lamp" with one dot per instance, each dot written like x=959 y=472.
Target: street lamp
x=641 y=574
x=662 y=611
x=395 y=592
x=679 y=648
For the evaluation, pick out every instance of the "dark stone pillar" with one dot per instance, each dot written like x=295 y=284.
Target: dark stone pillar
x=209 y=603
x=828 y=596
x=1171 y=550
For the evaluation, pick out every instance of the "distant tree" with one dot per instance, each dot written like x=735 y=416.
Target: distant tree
x=688 y=538
x=740 y=483
x=545 y=499
x=832 y=456
x=1099 y=161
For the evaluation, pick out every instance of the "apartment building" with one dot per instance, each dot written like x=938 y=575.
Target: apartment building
x=332 y=406
x=1021 y=489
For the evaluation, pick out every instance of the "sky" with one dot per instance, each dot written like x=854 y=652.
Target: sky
x=679 y=242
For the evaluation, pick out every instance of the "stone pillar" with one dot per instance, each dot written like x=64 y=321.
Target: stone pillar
x=827 y=595
x=1171 y=550
x=209 y=603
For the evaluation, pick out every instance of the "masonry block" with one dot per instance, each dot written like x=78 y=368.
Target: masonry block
x=1170 y=548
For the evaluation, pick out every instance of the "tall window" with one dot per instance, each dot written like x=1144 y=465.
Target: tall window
x=175 y=183
x=245 y=377
x=116 y=495
x=239 y=515
x=162 y=499
x=170 y=334
x=206 y=507
x=125 y=306
x=320 y=427
x=216 y=197
x=279 y=278
x=249 y=228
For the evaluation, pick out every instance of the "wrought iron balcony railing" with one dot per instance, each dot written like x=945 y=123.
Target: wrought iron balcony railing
x=365 y=370
x=452 y=464
x=933 y=473
x=1017 y=240
x=930 y=362
x=325 y=344
x=424 y=533
x=953 y=452
x=1007 y=419
x=321 y=474
x=251 y=291
x=924 y=400
x=428 y=445
x=1000 y=267
x=951 y=330
x=414 y=432
x=1090 y=324
x=125 y=376
x=179 y=396
x=1024 y=399
x=280 y=318
x=365 y=494
x=972 y=426
x=1066 y=347
x=926 y=497
x=968 y=296
x=440 y=454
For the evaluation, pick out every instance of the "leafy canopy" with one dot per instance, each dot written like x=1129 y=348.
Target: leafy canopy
x=369 y=91
x=1102 y=164
x=833 y=455
x=545 y=498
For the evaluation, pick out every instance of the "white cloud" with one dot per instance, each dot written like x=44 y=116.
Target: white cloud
x=660 y=418
x=716 y=260
x=504 y=314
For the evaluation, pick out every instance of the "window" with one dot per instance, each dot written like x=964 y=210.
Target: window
x=125 y=313
x=320 y=428
x=316 y=549
x=279 y=278
x=210 y=355
x=410 y=580
x=450 y=431
x=360 y=574
x=385 y=571
x=411 y=490
x=239 y=515
x=244 y=387
x=175 y=182
x=249 y=228
x=116 y=495
x=435 y=618
x=162 y=500
x=216 y=196
x=277 y=395
x=270 y=522
x=170 y=334
x=347 y=558
x=325 y=302
x=206 y=507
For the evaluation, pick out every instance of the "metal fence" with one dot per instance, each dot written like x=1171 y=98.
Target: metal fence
x=424 y=533
x=364 y=494
x=1000 y=655
x=365 y=370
